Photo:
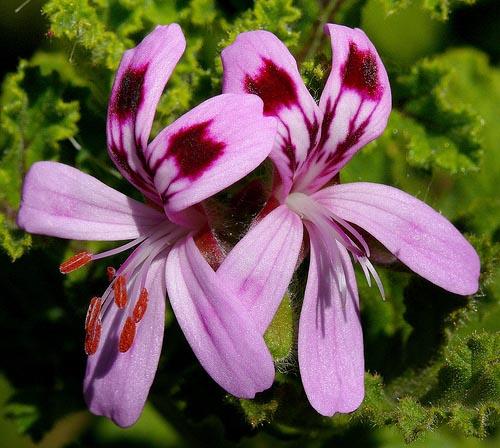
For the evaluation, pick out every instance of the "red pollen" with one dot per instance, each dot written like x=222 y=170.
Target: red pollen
x=75 y=262
x=360 y=72
x=120 y=291
x=93 y=312
x=110 y=272
x=141 y=305
x=274 y=86
x=92 y=338
x=194 y=149
x=127 y=335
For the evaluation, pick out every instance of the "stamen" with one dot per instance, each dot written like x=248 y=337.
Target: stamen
x=127 y=335
x=365 y=270
x=92 y=337
x=369 y=269
x=141 y=305
x=111 y=272
x=355 y=236
x=93 y=312
x=117 y=250
x=75 y=262
x=120 y=290
x=375 y=276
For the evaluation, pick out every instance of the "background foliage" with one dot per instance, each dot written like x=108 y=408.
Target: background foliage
x=432 y=358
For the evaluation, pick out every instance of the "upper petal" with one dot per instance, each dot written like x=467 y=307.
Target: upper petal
x=117 y=384
x=259 y=268
x=139 y=82
x=209 y=148
x=216 y=325
x=415 y=233
x=331 y=358
x=356 y=103
x=61 y=201
x=258 y=62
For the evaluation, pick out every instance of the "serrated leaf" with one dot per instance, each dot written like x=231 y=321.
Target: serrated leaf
x=439 y=9
x=277 y=16
x=80 y=22
x=13 y=241
x=34 y=120
x=440 y=129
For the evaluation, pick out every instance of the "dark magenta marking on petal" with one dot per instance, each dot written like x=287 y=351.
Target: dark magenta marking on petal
x=274 y=86
x=353 y=137
x=194 y=149
x=330 y=112
x=289 y=149
x=130 y=92
x=120 y=158
x=360 y=72
x=312 y=129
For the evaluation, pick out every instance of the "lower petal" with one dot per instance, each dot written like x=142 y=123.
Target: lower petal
x=415 y=233
x=61 y=201
x=117 y=384
x=260 y=267
x=218 y=328
x=330 y=341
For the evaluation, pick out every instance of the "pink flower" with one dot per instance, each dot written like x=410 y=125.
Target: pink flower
x=203 y=152
x=314 y=143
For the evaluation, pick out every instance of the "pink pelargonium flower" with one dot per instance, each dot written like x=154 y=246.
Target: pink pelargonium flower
x=203 y=152
x=314 y=143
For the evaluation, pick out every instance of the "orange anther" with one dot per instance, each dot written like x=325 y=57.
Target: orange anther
x=93 y=312
x=92 y=337
x=110 y=271
x=120 y=290
x=127 y=335
x=141 y=305
x=75 y=262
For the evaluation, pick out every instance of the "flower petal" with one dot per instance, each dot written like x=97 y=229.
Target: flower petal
x=356 y=103
x=330 y=341
x=61 y=201
x=117 y=384
x=415 y=233
x=216 y=325
x=259 y=268
x=258 y=62
x=209 y=148
x=140 y=80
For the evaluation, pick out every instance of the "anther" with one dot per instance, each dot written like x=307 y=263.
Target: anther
x=127 y=335
x=75 y=262
x=111 y=272
x=93 y=312
x=92 y=337
x=120 y=290
x=140 y=306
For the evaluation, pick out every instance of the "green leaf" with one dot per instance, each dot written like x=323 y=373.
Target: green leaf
x=34 y=120
x=439 y=9
x=276 y=16
x=14 y=242
x=200 y=12
x=280 y=335
x=438 y=128
x=80 y=22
